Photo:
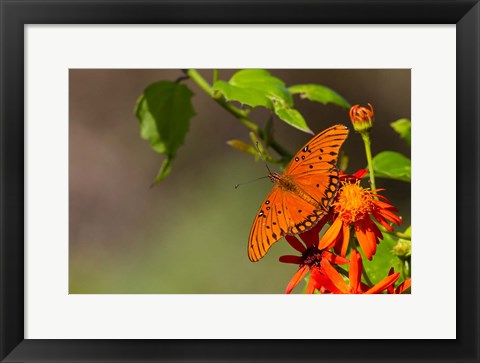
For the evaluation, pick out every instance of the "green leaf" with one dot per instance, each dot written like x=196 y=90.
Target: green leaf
x=318 y=93
x=243 y=146
x=382 y=261
x=293 y=118
x=258 y=88
x=392 y=165
x=246 y=96
x=164 y=170
x=164 y=111
x=261 y=80
x=254 y=87
x=403 y=128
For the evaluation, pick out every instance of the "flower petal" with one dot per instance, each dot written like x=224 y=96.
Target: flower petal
x=366 y=237
x=337 y=260
x=390 y=216
x=297 y=260
x=384 y=284
x=330 y=235
x=299 y=275
x=346 y=238
x=355 y=272
x=403 y=286
x=391 y=289
x=323 y=283
x=334 y=276
x=295 y=243
x=310 y=287
x=360 y=173
x=382 y=221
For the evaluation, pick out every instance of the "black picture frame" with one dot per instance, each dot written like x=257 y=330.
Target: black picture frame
x=15 y=14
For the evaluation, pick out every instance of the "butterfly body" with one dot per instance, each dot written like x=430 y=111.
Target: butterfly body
x=287 y=184
x=302 y=194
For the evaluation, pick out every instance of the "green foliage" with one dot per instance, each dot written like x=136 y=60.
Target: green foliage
x=257 y=87
x=403 y=128
x=392 y=165
x=164 y=111
x=318 y=93
x=377 y=269
x=292 y=117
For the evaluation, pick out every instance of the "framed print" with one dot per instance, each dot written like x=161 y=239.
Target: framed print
x=239 y=181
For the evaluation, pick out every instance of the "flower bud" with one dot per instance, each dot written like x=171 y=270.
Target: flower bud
x=362 y=118
x=402 y=249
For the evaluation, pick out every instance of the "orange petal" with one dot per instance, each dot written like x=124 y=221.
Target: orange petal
x=346 y=239
x=355 y=272
x=384 y=284
x=334 y=276
x=390 y=216
x=299 y=275
x=310 y=287
x=404 y=286
x=330 y=235
x=366 y=238
x=337 y=260
x=323 y=283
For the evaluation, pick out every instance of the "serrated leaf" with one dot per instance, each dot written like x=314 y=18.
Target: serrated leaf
x=392 y=165
x=404 y=128
x=318 y=93
x=164 y=111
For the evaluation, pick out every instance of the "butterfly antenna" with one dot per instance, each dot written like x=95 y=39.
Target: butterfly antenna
x=261 y=156
x=250 y=181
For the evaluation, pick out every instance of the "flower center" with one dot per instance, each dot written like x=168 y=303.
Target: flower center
x=354 y=202
x=312 y=257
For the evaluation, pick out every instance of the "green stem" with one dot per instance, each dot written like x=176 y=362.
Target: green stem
x=368 y=152
x=396 y=234
x=238 y=113
x=341 y=270
x=215 y=76
x=367 y=279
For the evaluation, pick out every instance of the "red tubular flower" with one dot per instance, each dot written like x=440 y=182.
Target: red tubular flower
x=332 y=281
x=354 y=207
x=311 y=257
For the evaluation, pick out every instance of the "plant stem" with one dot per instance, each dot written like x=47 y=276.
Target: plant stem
x=396 y=234
x=367 y=279
x=215 y=76
x=238 y=113
x=368 y=152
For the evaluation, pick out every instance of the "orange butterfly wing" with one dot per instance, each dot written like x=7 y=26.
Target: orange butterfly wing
x=313 y=171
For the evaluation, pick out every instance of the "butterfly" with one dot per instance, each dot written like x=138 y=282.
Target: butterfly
x=302 y=194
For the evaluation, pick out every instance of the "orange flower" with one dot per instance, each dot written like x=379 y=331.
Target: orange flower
x=400 y=289
x=333 y=281
x=362 y=118
x=310 y=258
x=354 y=206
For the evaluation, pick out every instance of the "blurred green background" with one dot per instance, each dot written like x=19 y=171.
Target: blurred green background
x=189 y=233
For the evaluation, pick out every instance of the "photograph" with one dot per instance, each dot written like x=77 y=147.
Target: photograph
x=239 y=181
